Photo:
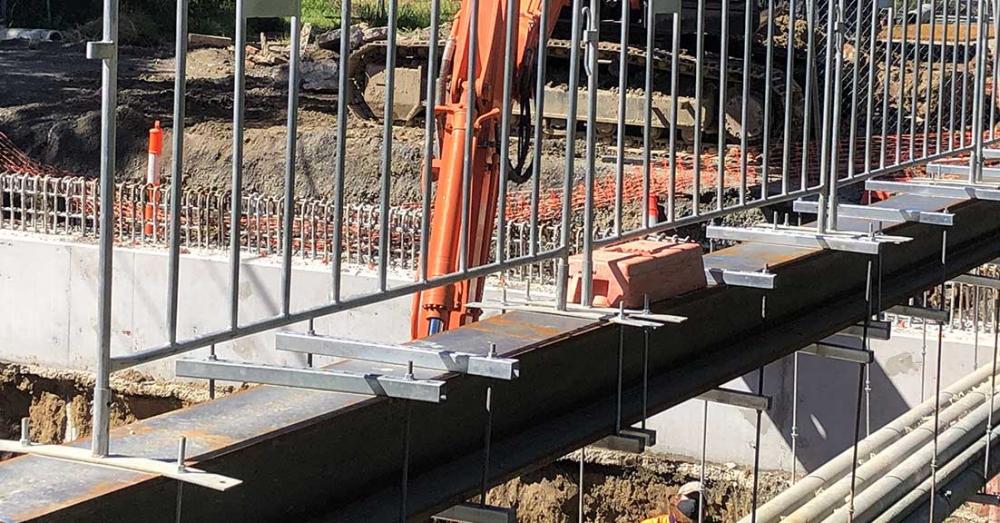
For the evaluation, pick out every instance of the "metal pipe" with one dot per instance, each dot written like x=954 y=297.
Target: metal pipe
x=902 y=83
x=965 y=71
x=916 y=80
x=954 y=85
x=508 y=60
x=930 y=77
x=723 y=99
x=675 y=43
x=810 y=67
x=430 y=122
x=566 y=238
x=890 y=19
x=748 y=8
x=177 y=167
x=795 y=416
x=822 y=224
x=647 y=101
x=830 y=500
x=768 y=65
x=109 y=103
x=387 y=121
x=787 y=131
x=290 y=145
x=834 y=172
x=593 y=35
x=536 y=159
x=704 y=455
x=622 y=95
x=236 y=188
x=941 y=71
x=699 y=78
x=855 y=78
x=343 y=88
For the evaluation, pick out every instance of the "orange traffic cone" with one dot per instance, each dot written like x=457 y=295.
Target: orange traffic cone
x=153 y=175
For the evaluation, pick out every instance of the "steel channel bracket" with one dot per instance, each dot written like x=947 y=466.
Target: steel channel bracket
x=881 y=214
x=476 y=513
x=981 y=498
x=630 y=442
x=756 y=280
x=841 y=347
x=130 y=463
x=981 y=281
x=941 y=169
x=938 y=315
x=102 y=50
x=805 y=237
x=460 y=362
x=649 y=435
x=877 y=330
x=938 y=189
x=632 y=318
x=737 y=398
x=432 y=391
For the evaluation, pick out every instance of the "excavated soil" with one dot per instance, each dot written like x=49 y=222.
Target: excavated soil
x=58 y=401
x=52 y=113
x=621 y=487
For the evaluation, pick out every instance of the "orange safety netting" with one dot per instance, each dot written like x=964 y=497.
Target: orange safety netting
x=14 y=161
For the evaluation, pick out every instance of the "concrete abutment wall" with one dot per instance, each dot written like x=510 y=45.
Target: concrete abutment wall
x=48 y=315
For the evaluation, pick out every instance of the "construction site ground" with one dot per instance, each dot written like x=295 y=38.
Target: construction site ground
x=618 y=486
x=51 y=112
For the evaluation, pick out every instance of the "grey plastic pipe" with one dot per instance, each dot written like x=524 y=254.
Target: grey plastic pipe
x=804 y=490
x=833 y=495
x=913 y=469
x=914 y=504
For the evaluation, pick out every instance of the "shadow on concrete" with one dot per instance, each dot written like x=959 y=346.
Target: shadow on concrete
x=827 y=404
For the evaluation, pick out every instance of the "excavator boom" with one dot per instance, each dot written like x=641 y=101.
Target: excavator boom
x=475 y=191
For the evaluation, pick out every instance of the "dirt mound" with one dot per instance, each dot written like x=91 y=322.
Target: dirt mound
x=624 y=487
x=58 y=402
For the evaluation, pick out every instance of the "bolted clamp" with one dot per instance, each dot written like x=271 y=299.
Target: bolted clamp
x=103 y=50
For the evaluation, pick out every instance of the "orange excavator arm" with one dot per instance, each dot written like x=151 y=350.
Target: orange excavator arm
x=443 y=308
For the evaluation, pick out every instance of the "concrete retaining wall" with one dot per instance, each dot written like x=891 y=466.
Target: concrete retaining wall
x=48 y=315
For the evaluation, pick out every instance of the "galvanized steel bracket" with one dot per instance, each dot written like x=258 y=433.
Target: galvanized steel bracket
x=102 y=50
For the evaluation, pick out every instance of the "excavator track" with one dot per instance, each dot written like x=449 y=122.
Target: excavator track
x=367 y=70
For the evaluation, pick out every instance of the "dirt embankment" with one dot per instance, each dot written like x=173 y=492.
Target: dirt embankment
x=620 y=487
x=55 y=118
x=58 y=402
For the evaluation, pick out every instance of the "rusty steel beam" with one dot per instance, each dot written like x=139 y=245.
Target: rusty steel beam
x=338 y=457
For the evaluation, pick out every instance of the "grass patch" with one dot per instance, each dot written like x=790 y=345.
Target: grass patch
x=151 y=22
x=325 y=14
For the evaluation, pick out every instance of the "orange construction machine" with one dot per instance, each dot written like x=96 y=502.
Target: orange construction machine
x=443 y=308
